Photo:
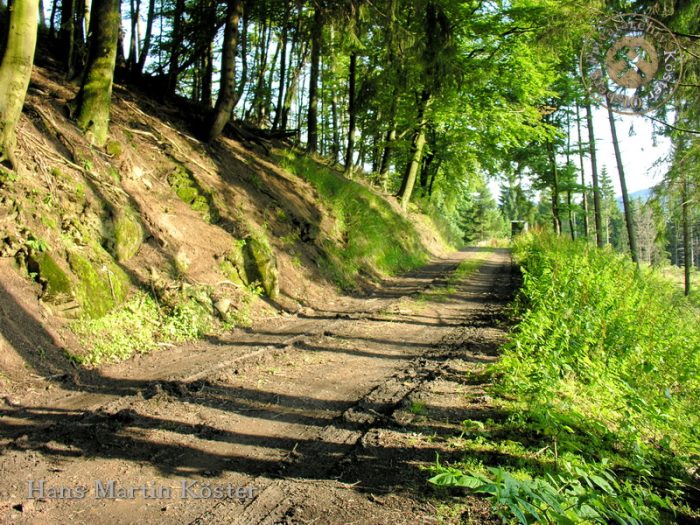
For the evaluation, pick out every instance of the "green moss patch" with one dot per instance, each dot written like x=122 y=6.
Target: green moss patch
x=57 y=285
x=99 y=289
x=261 y=265
x=190 y=192
x=128 y=235
x=233 y=265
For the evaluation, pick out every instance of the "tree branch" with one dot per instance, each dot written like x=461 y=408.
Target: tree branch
x=682 y=130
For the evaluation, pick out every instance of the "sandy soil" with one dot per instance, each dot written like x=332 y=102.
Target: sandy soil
x=323 y=417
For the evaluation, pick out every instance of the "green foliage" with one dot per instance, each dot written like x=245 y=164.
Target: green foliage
x=7 y=177
x=375 y=236
x=36 y=245
x=140 y=326
x=588 y=494
x=601 y=338
x=598 y=392
x=418 y=408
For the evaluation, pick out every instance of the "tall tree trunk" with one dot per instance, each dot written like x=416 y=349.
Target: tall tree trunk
x=409 y=179
x=243 y=37
x=121 y=57
x=52 y=21
x=584 y=192
x=67 y=36
x=175 y=45
x=42 y=15
x=83 y=30
x=433 y=176
x=95 y=96
x=627 y=204
x=15 y=72
x=226 y=99
x=267 y=92
x=594 y=174
x=312 y=119
x=687 y=244
x=146 y=45
x=569 y=165
x=425 y=170
x=293 y=85
x=257 y=107
x=207 y=75
x=352 y=112
x=335 y=147
x=572 y=217
x=135 y=6
x=389 y=141
x=556 y=218
x=283 y=67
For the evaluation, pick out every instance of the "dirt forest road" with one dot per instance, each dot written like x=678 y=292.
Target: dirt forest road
x=321 y=418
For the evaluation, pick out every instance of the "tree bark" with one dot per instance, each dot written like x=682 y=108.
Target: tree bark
x=243 y=37
x=556 y=218
x=95 y=96
x=52 y=21
x=312 y=119
x=256 y=114
x=135 y=9
x=226 y=99
x=388 y=141
x=594 y=174
x=687 y=244
x=15 y=72
x=207 y=75
x=146 y=45
x=293 y=85
x=352 y=113
x=42 y=16
x=67 y=36
x=584 y=193
x=629 y=212
x=409 y=179
x=283 y=67
x=175 y=45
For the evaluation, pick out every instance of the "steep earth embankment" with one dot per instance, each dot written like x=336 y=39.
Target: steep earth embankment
x=167 y=236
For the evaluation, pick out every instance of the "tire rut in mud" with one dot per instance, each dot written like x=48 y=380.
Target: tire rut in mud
x=360 y=427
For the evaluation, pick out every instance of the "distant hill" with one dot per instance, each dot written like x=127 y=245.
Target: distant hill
x=641 y=195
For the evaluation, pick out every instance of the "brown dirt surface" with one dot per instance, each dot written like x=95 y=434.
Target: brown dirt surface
x=323 y=417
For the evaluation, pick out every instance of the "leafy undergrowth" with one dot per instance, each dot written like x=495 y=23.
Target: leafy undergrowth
x=143 y=324
x=376 y=238
x=597 y=395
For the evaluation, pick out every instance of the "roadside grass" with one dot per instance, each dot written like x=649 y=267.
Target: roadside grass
x=142 y=325
x=375 y=237
x=597 y=395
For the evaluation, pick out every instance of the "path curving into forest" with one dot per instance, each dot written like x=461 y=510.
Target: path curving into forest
x=324 y=417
